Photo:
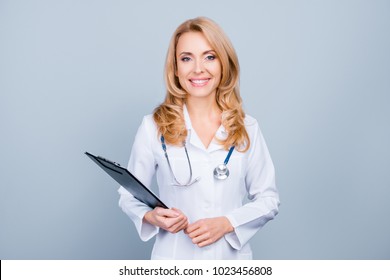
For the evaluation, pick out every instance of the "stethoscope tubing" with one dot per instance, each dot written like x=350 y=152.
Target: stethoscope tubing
x=228 y=155
x=190 y=181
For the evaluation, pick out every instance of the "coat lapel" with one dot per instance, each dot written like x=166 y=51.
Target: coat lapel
x=193 y=138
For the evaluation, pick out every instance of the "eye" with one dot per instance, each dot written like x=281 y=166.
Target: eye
x=211 y=57
x=185 y=58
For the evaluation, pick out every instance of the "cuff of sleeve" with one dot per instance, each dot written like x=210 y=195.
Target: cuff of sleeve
x=233 y=237
x=145 y=230
x=136 y=211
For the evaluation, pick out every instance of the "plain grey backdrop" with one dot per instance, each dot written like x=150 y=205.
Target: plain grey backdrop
x=79 y=75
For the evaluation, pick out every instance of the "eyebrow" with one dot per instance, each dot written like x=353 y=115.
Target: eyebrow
x=189 y=53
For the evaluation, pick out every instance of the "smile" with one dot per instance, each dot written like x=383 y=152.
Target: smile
x=199 y=82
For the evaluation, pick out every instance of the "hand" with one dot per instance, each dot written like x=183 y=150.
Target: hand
x=207 y=231
x=171 y=220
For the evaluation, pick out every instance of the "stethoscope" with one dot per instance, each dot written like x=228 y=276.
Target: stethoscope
x=221 y=172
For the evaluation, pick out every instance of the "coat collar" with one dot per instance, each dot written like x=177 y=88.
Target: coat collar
x=193 y=138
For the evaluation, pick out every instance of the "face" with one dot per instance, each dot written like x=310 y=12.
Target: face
x=198 y=67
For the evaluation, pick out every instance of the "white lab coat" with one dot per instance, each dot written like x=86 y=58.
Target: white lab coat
x=251 y=175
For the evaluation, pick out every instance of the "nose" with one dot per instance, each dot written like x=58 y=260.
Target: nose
x=198 y=66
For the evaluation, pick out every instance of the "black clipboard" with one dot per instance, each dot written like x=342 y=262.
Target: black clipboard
x=128 y=181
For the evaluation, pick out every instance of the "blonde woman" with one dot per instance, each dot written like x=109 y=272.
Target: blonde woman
x=206 y=153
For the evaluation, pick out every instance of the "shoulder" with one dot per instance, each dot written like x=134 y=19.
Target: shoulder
x=250 y=123
x=147 y=126
x=148 y=122
x=252 y=127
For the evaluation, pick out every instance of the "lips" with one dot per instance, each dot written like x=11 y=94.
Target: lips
x=199 y=82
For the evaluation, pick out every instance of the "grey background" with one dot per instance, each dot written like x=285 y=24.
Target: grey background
x=78 y=76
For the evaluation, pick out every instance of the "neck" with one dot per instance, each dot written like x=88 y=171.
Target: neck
x=203 y=108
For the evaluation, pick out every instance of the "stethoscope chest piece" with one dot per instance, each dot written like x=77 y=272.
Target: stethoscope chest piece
x=221 y=172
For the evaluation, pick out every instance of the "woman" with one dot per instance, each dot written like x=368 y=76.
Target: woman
x=200 y=125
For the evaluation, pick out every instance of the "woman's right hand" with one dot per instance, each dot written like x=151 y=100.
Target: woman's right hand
x=171 y=220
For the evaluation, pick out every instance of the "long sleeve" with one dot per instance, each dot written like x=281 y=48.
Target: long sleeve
x=262 y=195
x=142 y=165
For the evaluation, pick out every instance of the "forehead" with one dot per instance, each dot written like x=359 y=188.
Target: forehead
x=193 y=42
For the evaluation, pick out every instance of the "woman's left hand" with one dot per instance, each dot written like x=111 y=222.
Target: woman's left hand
x=207 y=231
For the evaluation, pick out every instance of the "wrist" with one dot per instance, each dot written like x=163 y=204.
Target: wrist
x=147 y=216
x=228 y=226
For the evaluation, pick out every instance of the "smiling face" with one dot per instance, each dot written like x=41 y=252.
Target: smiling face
x=198 y=67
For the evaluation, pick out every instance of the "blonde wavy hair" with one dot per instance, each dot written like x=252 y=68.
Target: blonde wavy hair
x=169 y=116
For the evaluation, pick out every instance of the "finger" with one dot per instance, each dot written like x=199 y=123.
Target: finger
x=177 y=220
x=179 y=226
x=202 y=243
x=205 y=243
x=183 y=224
x=201 y=238
x=197 y=228
x=174 y=223
x=196 y=233
x=171 y=222
x=170 y=213
x=193 y=227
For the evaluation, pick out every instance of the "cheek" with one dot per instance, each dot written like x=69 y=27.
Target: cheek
x=181 y=71
x=217 y=70
x=218 y=75
x=181 y=78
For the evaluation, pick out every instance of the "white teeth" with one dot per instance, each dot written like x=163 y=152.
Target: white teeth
x=199 y=81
